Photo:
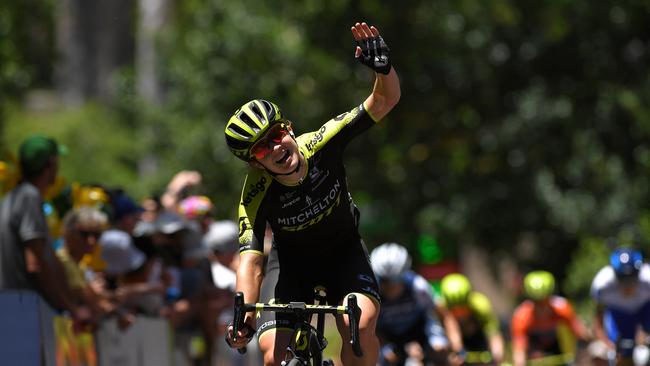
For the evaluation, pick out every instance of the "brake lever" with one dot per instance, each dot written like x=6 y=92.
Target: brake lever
x=354 y=315
x=238 y=318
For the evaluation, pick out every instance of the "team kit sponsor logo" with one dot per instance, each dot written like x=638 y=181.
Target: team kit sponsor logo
x=255 y=189
x=315 y=210
x=245 y=235
x=318 y=137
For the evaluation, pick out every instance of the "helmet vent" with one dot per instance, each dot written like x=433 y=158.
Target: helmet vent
x=270 y=111
x=248 y=121
x=258 y=113
x=239 y=131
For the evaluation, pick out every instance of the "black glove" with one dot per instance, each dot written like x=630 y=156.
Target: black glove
x=250 y=332
x=374 y=54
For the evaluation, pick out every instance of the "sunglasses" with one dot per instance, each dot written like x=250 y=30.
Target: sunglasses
x=87 y=234
x=274 y=136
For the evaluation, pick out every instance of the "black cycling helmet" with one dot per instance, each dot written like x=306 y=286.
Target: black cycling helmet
x=248 y=124
x=626 y=262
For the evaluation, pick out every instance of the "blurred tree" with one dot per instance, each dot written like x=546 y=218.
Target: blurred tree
x=94 y=40
x=513 y=119
x=26 y=50
x=523 y=126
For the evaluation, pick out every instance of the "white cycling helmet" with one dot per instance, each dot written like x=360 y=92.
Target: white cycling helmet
x=390 y=261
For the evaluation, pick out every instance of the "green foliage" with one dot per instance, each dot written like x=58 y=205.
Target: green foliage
x=100 y=148
x=517 y=118
x=591 y=255
x=26 y=48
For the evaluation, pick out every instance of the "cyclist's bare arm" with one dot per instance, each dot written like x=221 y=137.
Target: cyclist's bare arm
x=451 y=327
x=249 y=275
x=249 y=280
x=386 y=91
x=519 y=356
x=599 y=328
x=497 y=347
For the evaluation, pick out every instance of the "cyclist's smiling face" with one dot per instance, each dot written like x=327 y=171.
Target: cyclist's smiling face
x=281 y=156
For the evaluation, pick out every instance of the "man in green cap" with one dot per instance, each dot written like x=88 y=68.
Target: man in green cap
x=27 y=261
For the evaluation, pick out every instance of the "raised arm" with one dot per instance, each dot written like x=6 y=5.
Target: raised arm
x=373 y=52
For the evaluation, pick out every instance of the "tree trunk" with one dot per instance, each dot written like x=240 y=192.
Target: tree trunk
x=94 y=40
x=152 y=15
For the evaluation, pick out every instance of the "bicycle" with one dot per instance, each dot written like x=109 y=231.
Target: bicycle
x=307 y=342
x=628 y=352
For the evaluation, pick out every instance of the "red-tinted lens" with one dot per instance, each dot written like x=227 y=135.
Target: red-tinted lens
x=274 y=136
x=277 y=135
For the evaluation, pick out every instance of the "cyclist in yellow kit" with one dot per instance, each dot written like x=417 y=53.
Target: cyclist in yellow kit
x=297 y=185
x=478 y=323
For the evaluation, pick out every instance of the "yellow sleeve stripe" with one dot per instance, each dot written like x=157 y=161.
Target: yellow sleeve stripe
x=252 y=251
x=368 y=111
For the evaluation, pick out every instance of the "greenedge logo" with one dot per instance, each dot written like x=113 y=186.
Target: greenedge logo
x=255 y=189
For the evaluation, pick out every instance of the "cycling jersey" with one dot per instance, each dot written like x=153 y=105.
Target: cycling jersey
x=623 y=313
x=315 y=216
x=314 y=223
x=535 y=327
x=409 y=318
x=477 y=321
x=412 y=313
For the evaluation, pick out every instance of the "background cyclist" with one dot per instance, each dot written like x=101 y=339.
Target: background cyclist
x=409 y=312
x=479 y=324
x=298 y=187
x=622 y=292
x=537 y=321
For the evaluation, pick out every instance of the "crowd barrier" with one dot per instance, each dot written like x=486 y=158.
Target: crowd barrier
x=26 y=329
x=147 y=342
x=32 y=334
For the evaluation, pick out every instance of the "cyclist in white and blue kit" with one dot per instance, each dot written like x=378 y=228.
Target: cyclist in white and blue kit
x=622 y=292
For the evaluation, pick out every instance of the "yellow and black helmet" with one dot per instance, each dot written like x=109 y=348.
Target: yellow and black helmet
x=539 y=285
x=248 y=124
x=455 y=289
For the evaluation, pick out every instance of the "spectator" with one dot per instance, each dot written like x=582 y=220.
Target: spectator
x=126 y=213
x=197 y=209
x=152 y=207
x=197 y=212
x=178 y=188
x=82 y=228
x=27 y=262
x=128 y=272
x=191 y=283
x=223 y=244
x=119 y=253
x=129 y=275
x=126 y=276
